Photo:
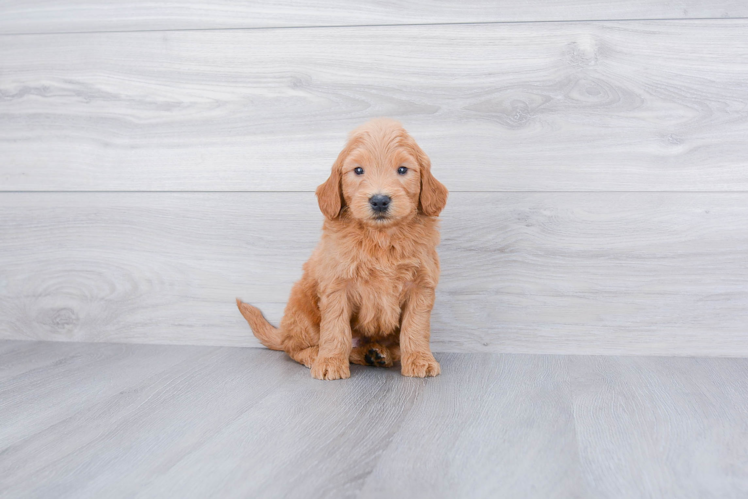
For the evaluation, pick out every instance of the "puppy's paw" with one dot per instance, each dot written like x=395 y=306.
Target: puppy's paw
x=421 y=364
x=377 y=355
x=331 y=368
x=372 y=355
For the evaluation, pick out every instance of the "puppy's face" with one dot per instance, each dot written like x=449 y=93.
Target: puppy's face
x=380 y=183
x=381 y=177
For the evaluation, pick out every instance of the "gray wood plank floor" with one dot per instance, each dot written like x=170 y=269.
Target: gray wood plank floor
x=585 y=273
x=113 y=420
x=620 y=106
x=50 y=16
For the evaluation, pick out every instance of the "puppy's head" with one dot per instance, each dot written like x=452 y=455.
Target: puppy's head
x=381 y=177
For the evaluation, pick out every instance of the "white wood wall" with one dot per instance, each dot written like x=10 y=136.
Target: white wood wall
x=157 y=161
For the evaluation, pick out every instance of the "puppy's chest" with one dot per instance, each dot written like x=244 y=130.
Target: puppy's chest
x=378 y=293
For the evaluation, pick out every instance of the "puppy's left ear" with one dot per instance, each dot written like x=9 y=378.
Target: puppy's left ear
x=329 y=195
x=433 y=193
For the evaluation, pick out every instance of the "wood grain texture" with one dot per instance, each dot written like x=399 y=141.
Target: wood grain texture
x=647 y=106
x=45 y=16
x=497 y=426
x=231 y=422
x=687 y=408
x=57 y=386
x=635 y=273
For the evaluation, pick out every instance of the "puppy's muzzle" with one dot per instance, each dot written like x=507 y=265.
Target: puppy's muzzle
x=380 y=203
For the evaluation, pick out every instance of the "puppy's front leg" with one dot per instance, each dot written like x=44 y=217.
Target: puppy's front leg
x=335 y=338
x=415 y=332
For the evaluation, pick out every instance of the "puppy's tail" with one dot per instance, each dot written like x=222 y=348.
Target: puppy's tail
x=269 y=335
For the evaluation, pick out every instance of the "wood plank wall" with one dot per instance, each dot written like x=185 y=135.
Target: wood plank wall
x=157 y=161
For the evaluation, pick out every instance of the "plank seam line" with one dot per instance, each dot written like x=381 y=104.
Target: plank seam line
x=311 y=192
x=343 y=26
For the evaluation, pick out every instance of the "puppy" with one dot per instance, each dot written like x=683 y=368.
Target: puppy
x=374 y=272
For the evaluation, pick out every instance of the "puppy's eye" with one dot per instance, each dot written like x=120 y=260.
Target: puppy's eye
x=402 y=170
x=358 y=171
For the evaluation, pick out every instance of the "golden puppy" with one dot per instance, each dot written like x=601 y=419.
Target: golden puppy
x=373 y=274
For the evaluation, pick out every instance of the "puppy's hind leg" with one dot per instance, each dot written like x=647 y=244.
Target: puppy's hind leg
x=305 y=356
x=303 y=344
x=301 y=324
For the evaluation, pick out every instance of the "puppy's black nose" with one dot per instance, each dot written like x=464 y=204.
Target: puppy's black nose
x=380 y=202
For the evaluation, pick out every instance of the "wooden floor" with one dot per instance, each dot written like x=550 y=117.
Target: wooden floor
x=113 y=420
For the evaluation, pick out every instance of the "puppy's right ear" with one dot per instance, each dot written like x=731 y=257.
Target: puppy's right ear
x=329 y=195
x=433 y=196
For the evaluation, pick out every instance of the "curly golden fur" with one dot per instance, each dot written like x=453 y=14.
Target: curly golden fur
x=374 y=272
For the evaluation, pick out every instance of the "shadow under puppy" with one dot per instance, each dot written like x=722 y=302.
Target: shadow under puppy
x=374 y=272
